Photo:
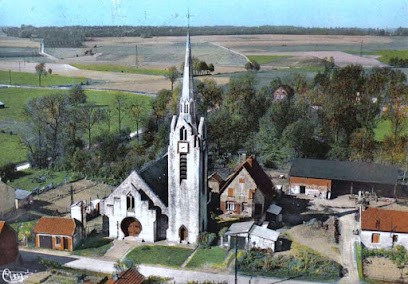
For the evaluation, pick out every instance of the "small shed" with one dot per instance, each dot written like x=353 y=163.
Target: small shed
x=23 y=198
x=2 y=105
x=247 y=235
x=274 y=213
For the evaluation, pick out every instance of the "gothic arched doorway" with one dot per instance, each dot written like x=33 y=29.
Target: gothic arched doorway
x=131 y=227
x=183 y=233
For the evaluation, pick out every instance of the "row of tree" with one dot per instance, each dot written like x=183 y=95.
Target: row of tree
x=399 y=62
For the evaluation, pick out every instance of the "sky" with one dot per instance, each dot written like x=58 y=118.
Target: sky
x=306 y=13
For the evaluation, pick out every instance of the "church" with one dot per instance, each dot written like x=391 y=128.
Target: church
x=167 y=199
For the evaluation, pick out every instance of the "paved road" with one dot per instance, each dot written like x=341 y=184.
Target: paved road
x=347 y=225
x=85 y=87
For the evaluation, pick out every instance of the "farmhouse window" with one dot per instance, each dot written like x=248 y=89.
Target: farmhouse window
x=230 y=206
x=241 y=180
x=251 y=194
x=57 y=241
x=230 y=192
x=375 y=238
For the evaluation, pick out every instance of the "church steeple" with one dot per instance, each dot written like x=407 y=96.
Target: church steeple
x=187 y=100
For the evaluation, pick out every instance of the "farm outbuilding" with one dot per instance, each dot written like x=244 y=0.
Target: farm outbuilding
x=57 y=233
x=23 y=198
x=2 y=105
x=327 y=179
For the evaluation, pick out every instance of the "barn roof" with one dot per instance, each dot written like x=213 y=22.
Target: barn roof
x=260 y=178
x=156 y=176
x=55 y=226
x=374 y=219
x=345 y=171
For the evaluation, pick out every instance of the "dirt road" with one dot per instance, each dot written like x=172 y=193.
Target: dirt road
x=347 y=240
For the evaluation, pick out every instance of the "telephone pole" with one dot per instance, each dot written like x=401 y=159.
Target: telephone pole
x=137 y=62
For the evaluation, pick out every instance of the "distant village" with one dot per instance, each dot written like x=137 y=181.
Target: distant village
x=244 y=222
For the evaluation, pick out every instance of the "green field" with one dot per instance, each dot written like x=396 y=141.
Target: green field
x=163 y=255
x=12 y=150
x=124 y=69
x=30 y=178
x=95 y=247
x=214 y=256
x=21 y=78
x=384 y=128
x=264 y=59
x=385 y=55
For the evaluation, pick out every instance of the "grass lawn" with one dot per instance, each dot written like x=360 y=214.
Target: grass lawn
x=95 y=246
x=30 y=178
x=214 y=256
x=263 y=59
x=123 y=69
x=21 y=78
x=11 y=150
x=383 y=128
x=163 y=255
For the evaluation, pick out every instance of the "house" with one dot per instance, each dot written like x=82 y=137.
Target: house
x=2 y=105
x=247 y=235
x=7 y=200
x=130 y=276
x=215 y=182
x=8 y=244
x=57 y=233
x=273 y=215
x=383 y=228
x=23 y=198
x=248 y=191
x=167 y=199
x=327 y=179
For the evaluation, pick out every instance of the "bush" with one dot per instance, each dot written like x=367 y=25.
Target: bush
x=398 y=255
x=205 y=239
x=8 y=171
x=48 y=263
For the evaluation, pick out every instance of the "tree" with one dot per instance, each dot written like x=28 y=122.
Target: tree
x=172 y=75
x=76 y=95
x=362 y=145
x=92 y=115
x=210 y=95
x=137 y=113
x=120 y=106
x=202 y=66
x=211 y=67
x=248 y=66
x=40 y=70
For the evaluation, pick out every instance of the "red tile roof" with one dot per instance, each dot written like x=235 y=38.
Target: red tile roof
x=55 y=226
x=256 y=172
x=374 y=219
x=131 y=276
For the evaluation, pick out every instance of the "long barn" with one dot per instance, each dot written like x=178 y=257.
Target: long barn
x=328 y=179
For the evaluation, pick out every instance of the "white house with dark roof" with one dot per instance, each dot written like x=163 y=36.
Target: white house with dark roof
x=167 y=200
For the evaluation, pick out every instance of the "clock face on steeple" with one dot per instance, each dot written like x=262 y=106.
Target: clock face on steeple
x=183 y=147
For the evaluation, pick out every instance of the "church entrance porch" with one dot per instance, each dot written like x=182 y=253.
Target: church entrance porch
x=183 y=234
x=131 y=227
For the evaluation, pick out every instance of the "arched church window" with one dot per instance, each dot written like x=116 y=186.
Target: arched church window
x=130 y=202
x=183 y=133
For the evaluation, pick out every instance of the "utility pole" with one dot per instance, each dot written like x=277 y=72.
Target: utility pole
x=236 y=259
x=137 y=63
x=361 y=49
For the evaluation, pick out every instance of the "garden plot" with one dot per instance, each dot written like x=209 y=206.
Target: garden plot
x=58 y=201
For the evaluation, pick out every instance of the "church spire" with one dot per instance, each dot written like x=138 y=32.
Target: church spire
x=187 y=101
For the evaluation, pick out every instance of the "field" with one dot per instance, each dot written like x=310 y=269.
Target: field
x=384 y=128
x=21 y=78
x=123 y=69
x=30 y=179
x=162 y=255
x=12 y=151
x=264 y=59
x=12 y=118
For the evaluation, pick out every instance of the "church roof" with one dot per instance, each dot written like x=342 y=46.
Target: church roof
x=155 y=175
